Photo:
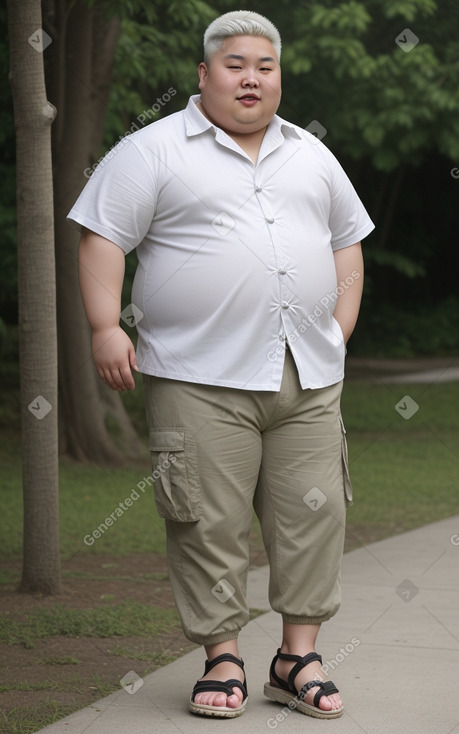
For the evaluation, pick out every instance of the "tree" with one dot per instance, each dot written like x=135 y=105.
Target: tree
x=78 y=78
x=37 y=305
x=94 y=423
x=383 y=79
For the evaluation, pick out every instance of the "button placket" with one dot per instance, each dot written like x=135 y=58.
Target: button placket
x=263 y=202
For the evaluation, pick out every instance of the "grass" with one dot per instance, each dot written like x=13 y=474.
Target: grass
x=29 y=719
x=403 y=473
x=129 y=619
x=88 y=495
x=66 y=660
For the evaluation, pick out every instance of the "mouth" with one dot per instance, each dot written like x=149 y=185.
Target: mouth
x=248 y=99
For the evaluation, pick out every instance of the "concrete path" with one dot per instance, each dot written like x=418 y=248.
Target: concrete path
x=392 y=650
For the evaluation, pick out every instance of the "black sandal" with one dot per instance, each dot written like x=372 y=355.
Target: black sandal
x=210 y=686
x=286 y=693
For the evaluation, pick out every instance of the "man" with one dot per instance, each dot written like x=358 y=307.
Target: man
x=248 y=287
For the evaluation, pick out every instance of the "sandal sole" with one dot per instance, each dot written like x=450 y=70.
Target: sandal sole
x=218 y=712
x=280 y=696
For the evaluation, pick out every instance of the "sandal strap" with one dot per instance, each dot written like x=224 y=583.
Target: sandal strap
x=281 y=683
x=210 y=686
x=226 y=657
x=325 y=689
x=311 y=657
x=301 y=663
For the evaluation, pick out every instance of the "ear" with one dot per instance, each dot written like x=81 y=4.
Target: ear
x=202 y=72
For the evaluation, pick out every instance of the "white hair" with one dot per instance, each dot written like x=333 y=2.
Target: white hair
x=239 y=23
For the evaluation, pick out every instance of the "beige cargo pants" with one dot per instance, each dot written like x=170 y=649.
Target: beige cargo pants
x=221 y=452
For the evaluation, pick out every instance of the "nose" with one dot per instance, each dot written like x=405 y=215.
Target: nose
x=250 y=79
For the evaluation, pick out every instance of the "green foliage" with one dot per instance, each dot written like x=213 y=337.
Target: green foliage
x=159 y=49
x=377 y=101
x=385 y=111
x=403 y=331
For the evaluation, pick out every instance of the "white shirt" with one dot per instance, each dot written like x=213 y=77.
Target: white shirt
x=233 y=257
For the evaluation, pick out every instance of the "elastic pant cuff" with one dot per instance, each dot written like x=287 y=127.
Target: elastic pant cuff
x=292 y=619
x=212 y=639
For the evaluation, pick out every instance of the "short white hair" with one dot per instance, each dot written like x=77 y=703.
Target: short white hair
x=239 y=23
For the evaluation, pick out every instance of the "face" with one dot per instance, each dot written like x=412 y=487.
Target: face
x=241 y=85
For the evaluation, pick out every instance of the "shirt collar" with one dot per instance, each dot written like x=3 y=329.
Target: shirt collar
x=196 y=123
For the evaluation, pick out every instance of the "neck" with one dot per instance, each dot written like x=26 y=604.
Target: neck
x=250 y=142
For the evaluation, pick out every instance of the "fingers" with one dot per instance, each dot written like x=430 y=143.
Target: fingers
x=133 y=359
x=114 y=357
x=118 y=378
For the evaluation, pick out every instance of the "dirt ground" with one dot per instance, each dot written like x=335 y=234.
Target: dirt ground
x=76 y=672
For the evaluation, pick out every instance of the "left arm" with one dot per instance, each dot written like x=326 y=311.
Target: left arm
x=349 y=273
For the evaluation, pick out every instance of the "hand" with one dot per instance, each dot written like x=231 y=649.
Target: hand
x=114 y=357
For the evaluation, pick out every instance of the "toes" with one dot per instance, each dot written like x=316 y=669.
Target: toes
x=327 y=703
x=211 y=699
x=233 y=701
x=218 y=699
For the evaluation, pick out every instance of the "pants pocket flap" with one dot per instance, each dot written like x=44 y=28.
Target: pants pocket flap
x=160 y=440
x=177 y=488
x=345 y=459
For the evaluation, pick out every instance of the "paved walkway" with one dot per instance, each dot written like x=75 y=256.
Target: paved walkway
x=393 y=650
x=426 y=370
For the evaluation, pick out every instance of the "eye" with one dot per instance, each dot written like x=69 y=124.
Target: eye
x=265 y=68
x=234 y=67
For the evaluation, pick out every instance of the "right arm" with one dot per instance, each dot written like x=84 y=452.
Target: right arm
x=101 y=273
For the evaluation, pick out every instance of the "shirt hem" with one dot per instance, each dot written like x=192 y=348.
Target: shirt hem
x=236 y=385
x=354 y=238
x=99 y=229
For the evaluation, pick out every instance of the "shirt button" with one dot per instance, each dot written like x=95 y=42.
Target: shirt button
x=282 y=272
x=258 y=189
x=284 y=304
x=270 y=220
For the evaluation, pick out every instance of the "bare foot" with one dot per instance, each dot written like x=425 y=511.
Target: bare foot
x=222 y=672
x=313 y=671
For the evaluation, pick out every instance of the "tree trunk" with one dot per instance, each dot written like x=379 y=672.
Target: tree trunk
x=390 y=205
x=37 y=299
x=94 y=424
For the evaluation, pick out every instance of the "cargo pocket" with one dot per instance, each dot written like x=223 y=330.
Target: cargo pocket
x=175 y=474
x=345 y=461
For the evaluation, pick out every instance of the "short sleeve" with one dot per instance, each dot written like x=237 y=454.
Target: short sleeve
x=119 y=200
x=349 y=221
